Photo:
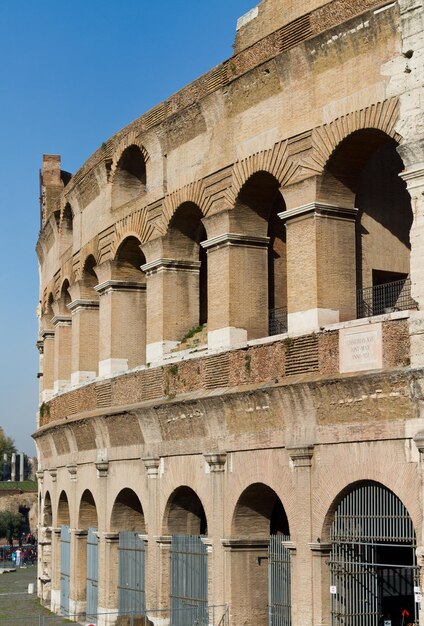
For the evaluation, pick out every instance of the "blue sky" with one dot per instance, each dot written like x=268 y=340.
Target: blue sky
x=73 y=72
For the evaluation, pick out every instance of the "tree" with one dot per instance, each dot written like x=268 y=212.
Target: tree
x=11 y=525
x=7 y=446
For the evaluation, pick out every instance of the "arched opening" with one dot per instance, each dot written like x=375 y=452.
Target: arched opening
x=256 y=213
x=185 y=513
x=89 y=277
x=184 y=236
x=65 y=297
x=259 y=549
x=129 y=181
x=47 y=515
x=127 y=513
x=88 y=554
x=67 y=217
x=373 y=568
x=63 y=517
x=48 y=313
x=363 y=172
x=87 y=516
x=186 y=523
x=63 y=522
x=85 y=325
x=127 y=519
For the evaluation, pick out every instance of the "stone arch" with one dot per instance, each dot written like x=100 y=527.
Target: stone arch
x=184 y=513
x=47 y=512
x=129 y=259
x=275 y=161
x=87 y=512
x=133 y=225
x=128 y=172
x=382 y=116
x=194 y=193
x=127 y=513
x=63 y=514
x=259 y=513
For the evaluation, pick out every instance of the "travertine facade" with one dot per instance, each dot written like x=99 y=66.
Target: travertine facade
x=232 y=336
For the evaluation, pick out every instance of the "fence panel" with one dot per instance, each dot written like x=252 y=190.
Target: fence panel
x=279 y=581
x=65 y=568
x=189 y=581
x=92 y=572
x=131 y=582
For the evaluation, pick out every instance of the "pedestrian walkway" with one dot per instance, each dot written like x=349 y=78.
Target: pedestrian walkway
x=17 y=606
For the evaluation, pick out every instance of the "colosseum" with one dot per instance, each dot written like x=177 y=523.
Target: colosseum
x=231 y=426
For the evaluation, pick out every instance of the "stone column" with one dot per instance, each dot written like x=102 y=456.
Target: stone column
x=302 y=584
x=321 y=582
x=321 y=261
x=414 y=178
x=237 y=287
x=218 y=592
x=44 y=565
x=163 y=588
x=62 y=352
x=248 y=582
x=55 y=572
x=110 y=544
x=122 y=331
x=172 y=303
x=78 y=581
x=154 y=560
x=85 y=340
x=48 y=338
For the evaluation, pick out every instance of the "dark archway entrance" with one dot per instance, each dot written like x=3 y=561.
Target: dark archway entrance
x=372 y=564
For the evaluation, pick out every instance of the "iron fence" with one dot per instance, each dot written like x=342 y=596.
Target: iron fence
x=216 y=616
x=380 y=299
x=277 y=321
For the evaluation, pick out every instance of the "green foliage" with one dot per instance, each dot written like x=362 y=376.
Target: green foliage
x=11 y=525
x=44 y=410
x=174 y=370
x=248 y=363
x=7 y=446
x=193 y=331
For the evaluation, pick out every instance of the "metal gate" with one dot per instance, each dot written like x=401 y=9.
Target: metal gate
x=279 y=582
x=189 y=581
x=131 y=582
x=65 y=568
x=92 y=573
x=374 y=576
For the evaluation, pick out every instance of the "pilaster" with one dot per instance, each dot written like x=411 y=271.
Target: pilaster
x=321 y=277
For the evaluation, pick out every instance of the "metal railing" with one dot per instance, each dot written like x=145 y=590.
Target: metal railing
x=385 y=298
x=277 y=321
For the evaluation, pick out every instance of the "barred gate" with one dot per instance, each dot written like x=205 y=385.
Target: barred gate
x=279 y=582
x=189 y=581
x=373 y=563
x=65 y=568
x=92 y=573
x=131 y=581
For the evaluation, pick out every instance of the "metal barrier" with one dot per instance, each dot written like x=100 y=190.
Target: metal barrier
x=277 y=321
x=385 y=298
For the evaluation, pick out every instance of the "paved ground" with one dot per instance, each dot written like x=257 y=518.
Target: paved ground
x=17 y=606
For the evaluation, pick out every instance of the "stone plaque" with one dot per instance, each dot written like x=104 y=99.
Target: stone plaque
x=361 y=348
